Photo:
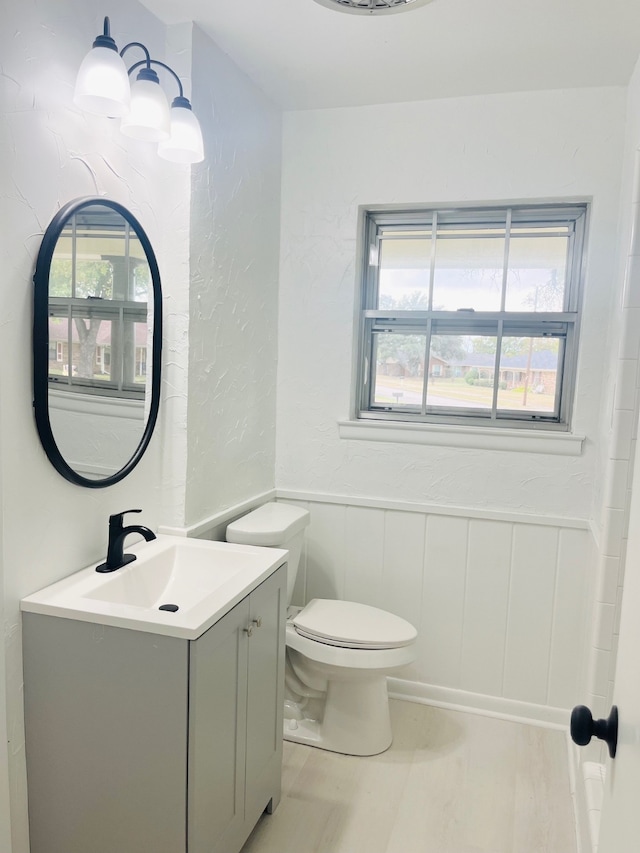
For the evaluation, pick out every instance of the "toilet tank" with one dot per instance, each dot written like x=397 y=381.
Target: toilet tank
x=273 y=525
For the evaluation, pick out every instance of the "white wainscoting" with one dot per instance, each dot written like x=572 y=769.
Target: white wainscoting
x=501 y=601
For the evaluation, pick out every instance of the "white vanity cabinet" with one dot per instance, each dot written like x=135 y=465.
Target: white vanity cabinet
x=139 y=742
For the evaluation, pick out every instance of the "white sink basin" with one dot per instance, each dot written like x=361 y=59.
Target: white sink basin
x=202 y=579
x=179 y=573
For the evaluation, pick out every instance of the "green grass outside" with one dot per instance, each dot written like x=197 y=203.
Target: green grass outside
x=473 y=395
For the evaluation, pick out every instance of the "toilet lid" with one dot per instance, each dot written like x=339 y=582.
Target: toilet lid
x=352 y=625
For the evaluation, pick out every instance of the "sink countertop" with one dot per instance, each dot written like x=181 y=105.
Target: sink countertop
x=204 y=579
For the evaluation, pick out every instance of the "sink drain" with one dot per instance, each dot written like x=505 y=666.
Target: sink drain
x=171 y=607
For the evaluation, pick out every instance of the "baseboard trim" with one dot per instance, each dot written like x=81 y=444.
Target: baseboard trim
x=477 y=703
x=219 y=518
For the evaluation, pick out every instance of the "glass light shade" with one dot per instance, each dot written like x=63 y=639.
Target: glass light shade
x=185 y=143
x=148 y=116
x=102 y=85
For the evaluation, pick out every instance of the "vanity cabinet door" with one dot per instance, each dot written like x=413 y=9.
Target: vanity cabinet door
x=265 y=696
x=236 y=704
x=217 y=734
x=106 y=733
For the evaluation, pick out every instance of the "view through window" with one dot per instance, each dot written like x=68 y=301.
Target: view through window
x=99 y=288
x=471 y=314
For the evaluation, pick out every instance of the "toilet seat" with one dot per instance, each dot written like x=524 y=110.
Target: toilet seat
x=350 y=625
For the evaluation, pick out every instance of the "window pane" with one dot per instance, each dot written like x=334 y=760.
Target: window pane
x=91 y=346
x=461 y=371
x=404 y=274
x=94 y=278
x=140 y=366
x=60 y=273
x=141 y=280
x=58 y=347
x=399 y=369
x=468 y=273
x=90 y=356
x=528 y=374
x=527 y=229
x=471 y=232
x=424 y=232
x=537 y=273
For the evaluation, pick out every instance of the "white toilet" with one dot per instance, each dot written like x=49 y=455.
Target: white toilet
x=339 y=653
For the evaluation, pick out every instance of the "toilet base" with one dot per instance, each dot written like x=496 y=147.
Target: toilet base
x=355 y=720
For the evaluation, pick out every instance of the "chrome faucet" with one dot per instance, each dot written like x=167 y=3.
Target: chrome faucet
x=116 y=558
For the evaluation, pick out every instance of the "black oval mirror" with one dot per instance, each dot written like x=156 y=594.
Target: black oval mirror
x=97 y=339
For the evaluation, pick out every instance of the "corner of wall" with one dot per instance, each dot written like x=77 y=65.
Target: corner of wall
x=233 y=287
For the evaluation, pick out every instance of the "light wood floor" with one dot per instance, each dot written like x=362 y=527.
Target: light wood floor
x=451 y=783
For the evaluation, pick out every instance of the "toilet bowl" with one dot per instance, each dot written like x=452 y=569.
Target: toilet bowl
x=338 y=653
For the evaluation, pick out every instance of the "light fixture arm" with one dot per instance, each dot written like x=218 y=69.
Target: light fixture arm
x=146 y=61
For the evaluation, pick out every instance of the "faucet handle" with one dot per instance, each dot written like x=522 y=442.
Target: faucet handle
x=119 y=516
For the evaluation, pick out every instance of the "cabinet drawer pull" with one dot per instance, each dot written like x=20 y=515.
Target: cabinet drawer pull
x=248 y=631
x=257 y=622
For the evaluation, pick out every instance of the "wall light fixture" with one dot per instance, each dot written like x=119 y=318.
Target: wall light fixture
x=103 y=88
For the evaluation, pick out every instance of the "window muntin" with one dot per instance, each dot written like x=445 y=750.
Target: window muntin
x=471 y=316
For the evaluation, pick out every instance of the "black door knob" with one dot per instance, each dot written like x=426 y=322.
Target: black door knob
x=584 y=727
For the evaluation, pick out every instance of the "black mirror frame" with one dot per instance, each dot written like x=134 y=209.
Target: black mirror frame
x=41 y=342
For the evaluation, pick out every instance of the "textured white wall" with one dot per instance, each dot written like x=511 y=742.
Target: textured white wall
x=235 y=213
x=175 y=361
x=50 y=153
x=524 y=146
x=5 y=823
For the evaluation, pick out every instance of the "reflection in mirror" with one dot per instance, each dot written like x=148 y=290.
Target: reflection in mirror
x=97 y=280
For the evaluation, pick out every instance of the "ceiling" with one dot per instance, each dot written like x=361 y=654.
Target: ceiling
x=305 y=56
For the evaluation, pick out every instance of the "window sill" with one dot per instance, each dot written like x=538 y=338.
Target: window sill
x=95 y=404
x=479 y=438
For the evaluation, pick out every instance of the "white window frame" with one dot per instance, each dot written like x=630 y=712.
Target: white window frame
x=561 y=324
